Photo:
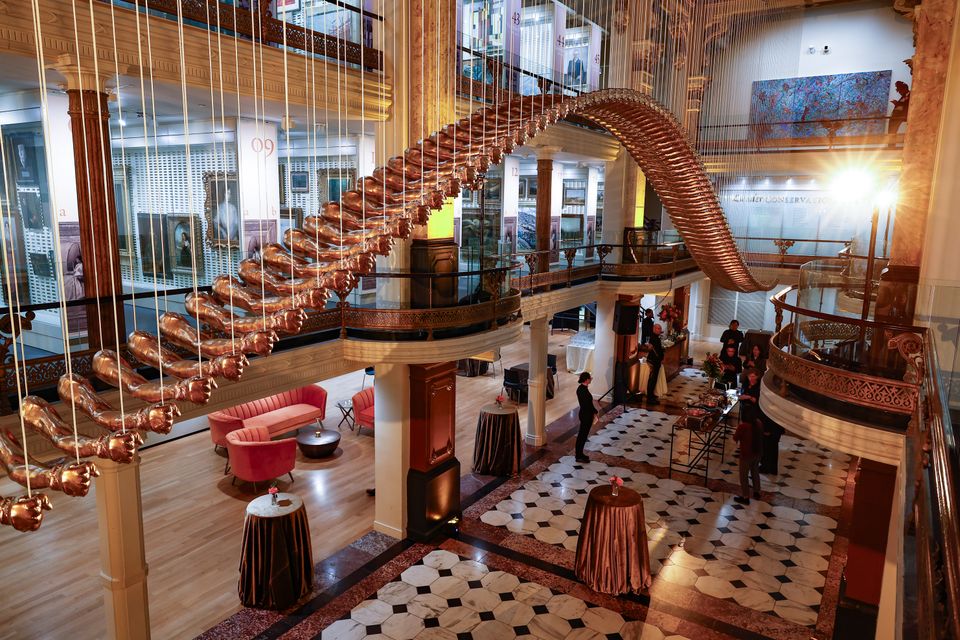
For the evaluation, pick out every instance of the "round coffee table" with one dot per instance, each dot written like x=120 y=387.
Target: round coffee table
x=317 y=442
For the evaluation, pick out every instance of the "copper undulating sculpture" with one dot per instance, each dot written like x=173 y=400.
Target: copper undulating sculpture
x=334 y=247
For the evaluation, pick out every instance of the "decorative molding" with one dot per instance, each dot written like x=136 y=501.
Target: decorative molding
x=840 y=435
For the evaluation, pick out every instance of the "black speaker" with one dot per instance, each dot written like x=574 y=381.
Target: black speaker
x=625 y=318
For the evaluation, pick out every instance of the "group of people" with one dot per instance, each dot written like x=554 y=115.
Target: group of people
x=757 y=435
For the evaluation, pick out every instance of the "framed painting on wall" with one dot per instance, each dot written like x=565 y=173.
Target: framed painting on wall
x=522 y=191
x=290 y=218
x=590 y=235
x=151 y=238
x=184 y=245
x=574 y=195
x=554 y=240
x=14 y=254
x=493 y=190
x=122 y=198
x=257 y=233
x=334 y=181
x=33 y=210
x=222 y=208
x=510 y=235
x=299 y=182
x=531 y=187
x=72 y=269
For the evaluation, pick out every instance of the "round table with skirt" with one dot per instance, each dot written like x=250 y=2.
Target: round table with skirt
x=276 y=563
x=612 y=555
x=496 y=449
x=644 y=376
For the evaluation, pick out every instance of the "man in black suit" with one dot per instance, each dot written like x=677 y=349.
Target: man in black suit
x=646 y=327
x=732 y=336
x=654 y=360
x=588 y=411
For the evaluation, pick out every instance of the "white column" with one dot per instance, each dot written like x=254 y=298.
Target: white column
x=699 y=299
x=123 y=563
x=258 y=168
x=604 y=350
x=537 y=384
x=392 y=448
x=619 y=200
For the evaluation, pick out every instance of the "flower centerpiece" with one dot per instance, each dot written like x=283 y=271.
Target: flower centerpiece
x=615 y=483
x=712 y=367
x=500 y=400
x=273 y=491
x=673 y=316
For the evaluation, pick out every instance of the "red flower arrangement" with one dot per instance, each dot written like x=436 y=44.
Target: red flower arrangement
x=672 y=315
x=712 y=367
x=615 y=483
x=500 y=400
x=273 y=491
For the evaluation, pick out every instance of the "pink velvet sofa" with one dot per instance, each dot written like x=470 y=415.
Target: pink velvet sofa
x=278 y=414
x=363 y=409
x=254 y=457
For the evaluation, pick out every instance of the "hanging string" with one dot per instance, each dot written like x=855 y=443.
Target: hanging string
x=105 y=161
x=64 y=329
x=13 y=299
x=189 y=165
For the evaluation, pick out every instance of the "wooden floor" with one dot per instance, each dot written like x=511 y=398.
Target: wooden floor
x=193 y=518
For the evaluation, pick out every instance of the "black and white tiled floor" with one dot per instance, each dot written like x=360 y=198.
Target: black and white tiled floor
x=448 y=597
x=807 y=470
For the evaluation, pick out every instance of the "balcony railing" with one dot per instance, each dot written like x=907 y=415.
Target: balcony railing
x=815 y=364
x=875 y=131
x=437 y=306
x=262 y=25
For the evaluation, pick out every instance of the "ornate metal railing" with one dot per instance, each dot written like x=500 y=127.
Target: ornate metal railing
x=932 y=542
x=263 y=27
x=831 y=382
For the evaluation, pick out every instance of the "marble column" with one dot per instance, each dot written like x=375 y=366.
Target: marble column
x=392 y=450
x=123 y=563
x=620 y=198
x=90 y=129
x=537 y=383
x=866 y=554
x=934 y=24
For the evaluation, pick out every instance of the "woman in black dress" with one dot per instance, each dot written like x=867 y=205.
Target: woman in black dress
x=588 y=410
x=732 y=366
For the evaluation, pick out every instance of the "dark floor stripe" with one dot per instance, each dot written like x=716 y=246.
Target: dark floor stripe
x=328 y=595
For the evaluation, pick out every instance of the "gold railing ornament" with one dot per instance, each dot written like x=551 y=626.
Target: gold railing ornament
x=341 y=242
x=910 y=346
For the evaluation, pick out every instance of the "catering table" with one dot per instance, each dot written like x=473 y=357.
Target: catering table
x=276 y=562
x=496 y=449
x=612 y=555
x=580 y=351
x=706 y=437
x=640 y=375
x=524 y=370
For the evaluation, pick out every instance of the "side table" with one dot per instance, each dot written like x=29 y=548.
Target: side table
x=346 y=410
x=276 y=562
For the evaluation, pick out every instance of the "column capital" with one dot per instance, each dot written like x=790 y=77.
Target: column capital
x=545 y=152
x=78 y=78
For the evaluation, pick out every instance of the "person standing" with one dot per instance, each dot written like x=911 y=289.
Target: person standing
x=748 y=435
x=732 y=366
x=646 y=327
x=588 y=412
x=770 y=456
x=755 y=361
x=750 y=397
x=733 y=336
x=655 y=361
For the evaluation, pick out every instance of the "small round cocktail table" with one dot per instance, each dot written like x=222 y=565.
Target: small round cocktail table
x=317 y=442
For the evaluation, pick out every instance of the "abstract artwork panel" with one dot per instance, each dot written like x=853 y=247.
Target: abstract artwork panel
x=852 y=104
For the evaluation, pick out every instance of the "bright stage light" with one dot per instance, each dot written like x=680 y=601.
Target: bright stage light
x=887 y=197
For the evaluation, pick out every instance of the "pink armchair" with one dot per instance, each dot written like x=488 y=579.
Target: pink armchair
x=279 y=413
x=254 y=457
x=363 y=409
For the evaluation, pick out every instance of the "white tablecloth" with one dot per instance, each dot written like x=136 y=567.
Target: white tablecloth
x=580 y=352
x=661 y=388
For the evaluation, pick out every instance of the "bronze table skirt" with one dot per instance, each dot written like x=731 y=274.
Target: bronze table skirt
x=496 y=449
x=276 y=564
x=612 y=554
